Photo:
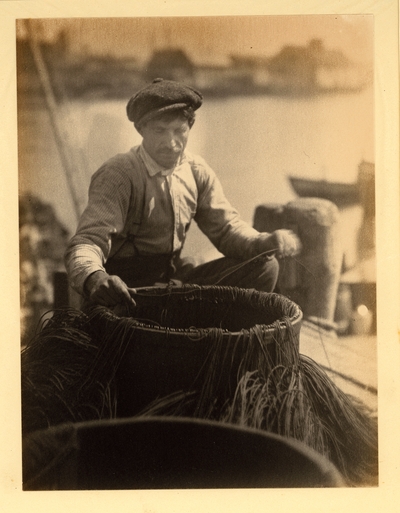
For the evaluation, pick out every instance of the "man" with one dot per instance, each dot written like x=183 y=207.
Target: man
x=141 y=204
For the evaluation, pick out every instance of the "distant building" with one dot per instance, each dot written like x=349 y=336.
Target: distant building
x=312 y=69
x=170 y=64
x=253 y=69
x=77 y=72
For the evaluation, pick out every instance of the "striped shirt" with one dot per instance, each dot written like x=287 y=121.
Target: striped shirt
x=172 y=199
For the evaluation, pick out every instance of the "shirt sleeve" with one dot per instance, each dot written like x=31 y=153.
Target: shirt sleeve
x=109 y=199
x=221 y=222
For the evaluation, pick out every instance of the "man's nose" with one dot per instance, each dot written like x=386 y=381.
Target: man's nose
x=171 y=140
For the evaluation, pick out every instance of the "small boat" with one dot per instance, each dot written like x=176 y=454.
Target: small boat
x=341 y=194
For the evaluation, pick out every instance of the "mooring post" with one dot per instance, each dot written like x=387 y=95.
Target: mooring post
x=311 y=279
x=366 y=186
x=61 y=293
x=64 y=295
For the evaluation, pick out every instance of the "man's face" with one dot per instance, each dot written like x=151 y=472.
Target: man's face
x=165 y=140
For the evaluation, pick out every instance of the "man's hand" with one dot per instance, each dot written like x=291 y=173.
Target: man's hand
x=284 y=242
x=107 y=290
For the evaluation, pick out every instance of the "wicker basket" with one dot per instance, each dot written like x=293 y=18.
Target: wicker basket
x=173 y=333
x=212 y=353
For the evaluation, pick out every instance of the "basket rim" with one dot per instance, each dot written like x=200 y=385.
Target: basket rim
x=198 y=333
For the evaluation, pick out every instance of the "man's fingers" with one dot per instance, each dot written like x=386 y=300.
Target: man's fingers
x=121 y=292
x=288 y=243
x=105 y=297
x=132 y=292
x=102 y=298
x=126 y=295
x=111 y=292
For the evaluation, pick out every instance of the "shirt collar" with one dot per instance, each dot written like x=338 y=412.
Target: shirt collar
x=153 y=168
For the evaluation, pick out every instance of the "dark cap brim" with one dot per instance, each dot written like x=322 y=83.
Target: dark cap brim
x=153 y=113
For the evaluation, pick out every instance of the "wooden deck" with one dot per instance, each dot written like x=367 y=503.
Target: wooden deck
x=351 y=361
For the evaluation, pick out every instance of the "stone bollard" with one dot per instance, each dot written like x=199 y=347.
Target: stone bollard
x=311 y=279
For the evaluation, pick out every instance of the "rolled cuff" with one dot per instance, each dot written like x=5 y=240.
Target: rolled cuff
x=81 y=261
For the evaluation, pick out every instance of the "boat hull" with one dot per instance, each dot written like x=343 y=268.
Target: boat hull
x=339 y=193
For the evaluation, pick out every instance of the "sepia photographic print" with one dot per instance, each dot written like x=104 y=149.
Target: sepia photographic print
x=198 y=241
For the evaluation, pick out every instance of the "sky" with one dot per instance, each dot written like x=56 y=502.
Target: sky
x=213 y=38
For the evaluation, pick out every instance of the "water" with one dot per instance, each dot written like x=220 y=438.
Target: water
x=253 y=143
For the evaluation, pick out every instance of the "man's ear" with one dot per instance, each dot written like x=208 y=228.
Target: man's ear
x=138 y=129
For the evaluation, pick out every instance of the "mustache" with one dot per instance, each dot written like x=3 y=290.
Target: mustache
x=169 y=150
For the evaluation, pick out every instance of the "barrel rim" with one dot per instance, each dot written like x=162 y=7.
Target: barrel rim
x=324 y=464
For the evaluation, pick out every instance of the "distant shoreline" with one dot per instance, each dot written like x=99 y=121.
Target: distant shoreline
x=93 y=91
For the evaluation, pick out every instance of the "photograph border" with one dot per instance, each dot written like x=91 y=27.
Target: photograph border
x=384 y=497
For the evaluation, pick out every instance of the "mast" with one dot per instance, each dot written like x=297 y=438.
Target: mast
x=60 y=134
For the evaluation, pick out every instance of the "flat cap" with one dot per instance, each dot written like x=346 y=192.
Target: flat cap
x=161 y=96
